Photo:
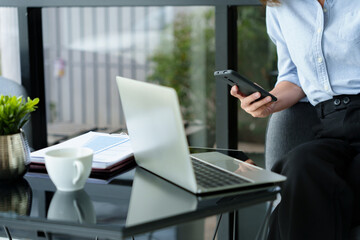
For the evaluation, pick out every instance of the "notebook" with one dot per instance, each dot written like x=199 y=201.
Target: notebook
x=157 y=136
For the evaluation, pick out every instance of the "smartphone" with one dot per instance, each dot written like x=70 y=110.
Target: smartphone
x=245 y=86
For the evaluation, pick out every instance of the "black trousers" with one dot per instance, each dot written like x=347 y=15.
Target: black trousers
x=321 y=197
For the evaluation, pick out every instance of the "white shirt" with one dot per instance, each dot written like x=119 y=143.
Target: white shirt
x=318 y=48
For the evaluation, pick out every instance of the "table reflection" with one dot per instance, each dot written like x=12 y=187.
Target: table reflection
x=73 y=206
x=153 y=198
x=157 y=202
x=15 y=198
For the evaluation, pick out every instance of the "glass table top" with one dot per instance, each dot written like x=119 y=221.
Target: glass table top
x=131 y=203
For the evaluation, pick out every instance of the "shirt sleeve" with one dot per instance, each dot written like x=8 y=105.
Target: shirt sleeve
x=286 y=68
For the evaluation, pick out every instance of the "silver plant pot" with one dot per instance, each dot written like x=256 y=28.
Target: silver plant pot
x=14 y=156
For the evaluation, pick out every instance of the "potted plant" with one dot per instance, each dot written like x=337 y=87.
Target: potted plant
x=14 y=149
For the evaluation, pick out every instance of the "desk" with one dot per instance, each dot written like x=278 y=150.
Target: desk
x=136 y=203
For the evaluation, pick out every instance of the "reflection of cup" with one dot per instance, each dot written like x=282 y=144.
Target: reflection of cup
x=69 y=168
x=16 y=198
x=74 y=206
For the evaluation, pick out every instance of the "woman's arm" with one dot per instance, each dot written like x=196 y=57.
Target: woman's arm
x=286 y=92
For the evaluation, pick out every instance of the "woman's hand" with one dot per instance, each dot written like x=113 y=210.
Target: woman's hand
x=261 y=108
x=286 y=92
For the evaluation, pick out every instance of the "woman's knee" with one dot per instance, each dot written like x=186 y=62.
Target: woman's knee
x=297 y=160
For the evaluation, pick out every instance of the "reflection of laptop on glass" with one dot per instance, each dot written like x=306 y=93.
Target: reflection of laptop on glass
x=166 y=203
x=155 y=126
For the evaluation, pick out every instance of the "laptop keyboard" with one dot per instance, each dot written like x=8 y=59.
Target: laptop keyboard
x=208 y=176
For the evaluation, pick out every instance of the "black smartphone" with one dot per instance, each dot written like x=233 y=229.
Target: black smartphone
x=245 y=86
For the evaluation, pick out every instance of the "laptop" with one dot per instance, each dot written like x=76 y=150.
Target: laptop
x=157 y=135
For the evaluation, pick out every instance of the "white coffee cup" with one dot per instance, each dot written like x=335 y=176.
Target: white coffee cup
x=69 y=168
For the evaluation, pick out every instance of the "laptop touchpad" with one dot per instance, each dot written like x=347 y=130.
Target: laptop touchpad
x=225 y=162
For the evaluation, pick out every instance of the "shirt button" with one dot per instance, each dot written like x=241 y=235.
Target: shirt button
x=320 y=60
x=326 y=87
x=319 y=30
x=337 y=102
x=325 y=10
x=346 y=100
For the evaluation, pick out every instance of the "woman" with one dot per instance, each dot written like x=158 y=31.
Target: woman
x=318 y=47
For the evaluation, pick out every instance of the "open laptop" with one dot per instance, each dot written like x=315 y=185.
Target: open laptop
x=154 y=122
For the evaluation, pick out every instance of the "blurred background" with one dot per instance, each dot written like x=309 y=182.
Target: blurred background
x=86 y=48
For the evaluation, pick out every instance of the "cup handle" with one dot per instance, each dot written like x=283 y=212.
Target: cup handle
x=79 y=171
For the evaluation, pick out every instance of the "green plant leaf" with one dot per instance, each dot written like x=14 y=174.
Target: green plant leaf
x=15 y=112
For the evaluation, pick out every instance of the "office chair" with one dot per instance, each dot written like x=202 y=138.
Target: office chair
x=288 y=129
x=9 y=87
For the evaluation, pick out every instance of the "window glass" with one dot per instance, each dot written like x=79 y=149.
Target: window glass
x=86 y=48
x=9 y=44
x=256 y=61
